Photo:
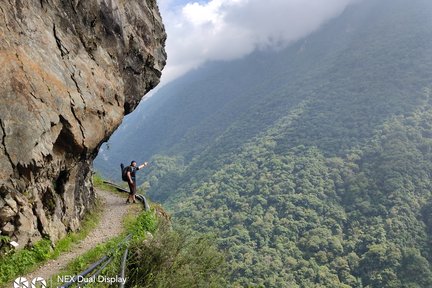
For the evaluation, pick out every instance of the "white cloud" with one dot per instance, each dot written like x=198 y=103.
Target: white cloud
x=230 y=29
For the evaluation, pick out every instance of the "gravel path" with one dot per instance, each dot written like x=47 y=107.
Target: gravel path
x=110 y=226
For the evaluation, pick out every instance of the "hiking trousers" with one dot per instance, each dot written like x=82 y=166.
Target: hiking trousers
x=132 y=188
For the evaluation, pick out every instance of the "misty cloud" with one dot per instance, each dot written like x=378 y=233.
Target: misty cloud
x=230 y=29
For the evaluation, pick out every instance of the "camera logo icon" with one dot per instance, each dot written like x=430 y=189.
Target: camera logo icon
x=37 y=282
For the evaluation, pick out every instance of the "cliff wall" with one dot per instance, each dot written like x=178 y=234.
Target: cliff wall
x=70 y=71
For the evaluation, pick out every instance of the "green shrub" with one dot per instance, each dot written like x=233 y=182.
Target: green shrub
x=175 y=258
x=145 y=222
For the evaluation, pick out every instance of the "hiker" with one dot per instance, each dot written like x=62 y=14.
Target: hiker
x=131 y=179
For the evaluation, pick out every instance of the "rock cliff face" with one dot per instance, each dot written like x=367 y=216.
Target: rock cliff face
x=70 y=71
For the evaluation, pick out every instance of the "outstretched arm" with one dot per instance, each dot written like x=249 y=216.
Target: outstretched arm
x=143 y=165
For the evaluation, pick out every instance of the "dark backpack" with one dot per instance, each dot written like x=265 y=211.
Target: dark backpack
x=124 y=172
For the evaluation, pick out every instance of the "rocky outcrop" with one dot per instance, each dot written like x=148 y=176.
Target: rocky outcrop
x=70 y=71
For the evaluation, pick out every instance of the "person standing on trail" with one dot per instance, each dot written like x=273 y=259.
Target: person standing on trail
x=130 y=174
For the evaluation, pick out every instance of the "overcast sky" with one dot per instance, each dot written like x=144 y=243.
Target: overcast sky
x=199 y=31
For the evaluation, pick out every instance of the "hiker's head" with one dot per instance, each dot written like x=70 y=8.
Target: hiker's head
x=133 y=163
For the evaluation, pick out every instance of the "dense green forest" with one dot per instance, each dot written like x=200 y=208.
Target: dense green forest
x=311 y=165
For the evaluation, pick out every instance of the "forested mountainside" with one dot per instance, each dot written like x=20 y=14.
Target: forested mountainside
x=311 y=165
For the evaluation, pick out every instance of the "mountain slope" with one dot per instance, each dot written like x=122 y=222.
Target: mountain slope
x=311 y=164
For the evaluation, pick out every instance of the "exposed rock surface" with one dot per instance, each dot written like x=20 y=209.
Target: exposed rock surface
x=70 y=70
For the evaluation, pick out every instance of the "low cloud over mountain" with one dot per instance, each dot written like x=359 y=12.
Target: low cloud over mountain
x=230 y=29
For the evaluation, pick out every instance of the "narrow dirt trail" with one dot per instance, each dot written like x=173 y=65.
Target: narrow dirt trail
x=109 y=226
